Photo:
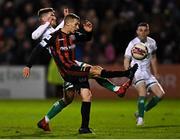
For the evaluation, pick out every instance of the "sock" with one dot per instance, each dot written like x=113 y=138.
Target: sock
x=153 y=102
x=57 y=107
x=141 y=102
x=112 y=74
x=85 y=113
x=106 y=84
x=46 y=119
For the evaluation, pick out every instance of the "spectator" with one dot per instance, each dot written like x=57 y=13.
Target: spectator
x=115 y=19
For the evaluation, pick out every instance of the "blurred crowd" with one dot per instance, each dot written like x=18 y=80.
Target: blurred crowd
x=114 y=22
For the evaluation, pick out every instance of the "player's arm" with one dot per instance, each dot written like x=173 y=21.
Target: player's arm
x=31 y=60
x=40 y=31
x=127 y=56
x=127 y=62
x=154 y=64
x=48 y=40
x=61 y=25
x=86 y=33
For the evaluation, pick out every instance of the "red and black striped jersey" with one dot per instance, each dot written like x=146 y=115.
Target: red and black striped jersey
x=62 y=48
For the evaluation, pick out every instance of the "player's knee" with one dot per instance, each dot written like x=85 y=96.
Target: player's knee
x=68 y=101
x=69 y=96
x=86 y=96
x=95 y=70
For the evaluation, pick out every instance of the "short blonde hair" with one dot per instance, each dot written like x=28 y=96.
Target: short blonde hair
x=45 y=10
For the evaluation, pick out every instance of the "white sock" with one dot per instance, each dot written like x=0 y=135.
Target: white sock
x=116 y=88
x=46 y=119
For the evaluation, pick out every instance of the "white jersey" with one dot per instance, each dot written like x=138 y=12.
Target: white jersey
x=143 y=72
x=145 y=63
x=45 y=29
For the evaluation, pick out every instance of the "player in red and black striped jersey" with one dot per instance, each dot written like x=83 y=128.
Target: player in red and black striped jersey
x=61 y=44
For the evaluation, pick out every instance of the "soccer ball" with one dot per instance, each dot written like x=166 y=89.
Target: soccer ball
x=139 y=51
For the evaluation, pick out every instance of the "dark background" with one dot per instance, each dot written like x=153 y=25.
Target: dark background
x=115 y=24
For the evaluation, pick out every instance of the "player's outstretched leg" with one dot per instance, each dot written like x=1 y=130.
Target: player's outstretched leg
x=122 y=89
x=132 y=71
x=127 y=73
x=118 y=90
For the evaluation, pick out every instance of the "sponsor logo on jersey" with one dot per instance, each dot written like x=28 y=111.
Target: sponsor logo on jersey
x=65 y=48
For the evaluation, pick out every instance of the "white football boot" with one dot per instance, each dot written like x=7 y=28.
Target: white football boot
x=139 y=121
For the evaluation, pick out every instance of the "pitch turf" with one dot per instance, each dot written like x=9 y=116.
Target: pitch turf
x=109 y=119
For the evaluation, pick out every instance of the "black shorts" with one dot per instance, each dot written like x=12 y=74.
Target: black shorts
x=76 y=83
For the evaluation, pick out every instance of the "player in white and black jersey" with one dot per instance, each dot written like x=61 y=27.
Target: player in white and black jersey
x=48 y=23
x=144 y=80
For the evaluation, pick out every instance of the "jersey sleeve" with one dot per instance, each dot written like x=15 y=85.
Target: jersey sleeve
x=39 y=31
x=128 y=51
x=61 y=25
x=83 y=36
x=154 y=47
x=33 y=56
x=47 y=41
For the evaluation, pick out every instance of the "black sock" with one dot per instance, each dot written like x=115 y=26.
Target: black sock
x=85 y=113
x=112 y=74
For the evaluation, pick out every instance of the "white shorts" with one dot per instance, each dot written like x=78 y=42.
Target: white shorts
x=145 y=76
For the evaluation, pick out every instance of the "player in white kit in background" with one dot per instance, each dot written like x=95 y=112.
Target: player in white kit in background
x=144 y=81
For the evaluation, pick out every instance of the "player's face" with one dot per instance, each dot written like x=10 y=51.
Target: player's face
x=74 y=25
x=142 y=32
x=50 y=17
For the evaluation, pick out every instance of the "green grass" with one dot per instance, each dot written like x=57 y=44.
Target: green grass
x=109 y=119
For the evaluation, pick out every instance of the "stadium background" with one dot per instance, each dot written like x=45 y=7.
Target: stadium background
x=115 y=23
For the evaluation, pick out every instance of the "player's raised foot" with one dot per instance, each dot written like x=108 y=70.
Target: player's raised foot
x=139 y=121
x=122 y=90
x=43 y=125
x=132 y=71
x=85 y=130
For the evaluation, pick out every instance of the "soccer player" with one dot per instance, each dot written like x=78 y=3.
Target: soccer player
x=48 y=22
x=61 y=45
x=144 y=80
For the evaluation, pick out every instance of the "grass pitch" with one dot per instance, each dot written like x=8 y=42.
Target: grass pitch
x=111 y=119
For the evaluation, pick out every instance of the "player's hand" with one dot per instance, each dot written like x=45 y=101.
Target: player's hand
x=50 y=19
x=66 y=11
x=95 y=71
x=87 y=25
x=26 y=72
